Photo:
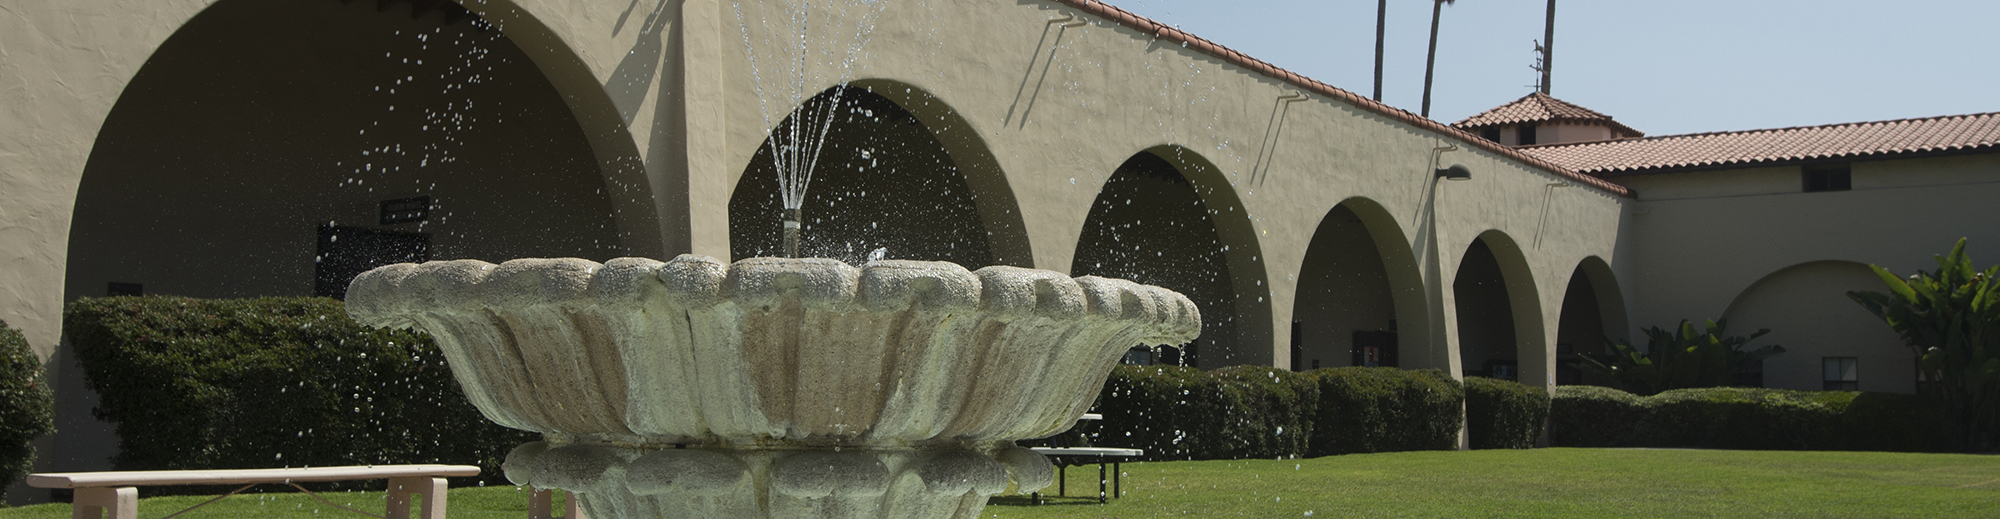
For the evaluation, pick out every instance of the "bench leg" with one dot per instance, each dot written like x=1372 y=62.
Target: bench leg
x=541 y=502
x=106 y=503
x=1117 y=473
x=1100 y=481
x=432 y=490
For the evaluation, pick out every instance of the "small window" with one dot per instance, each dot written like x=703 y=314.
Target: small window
x=1527 y=133
x=1491 y=134
x=1840 y=374
x=1828 y=178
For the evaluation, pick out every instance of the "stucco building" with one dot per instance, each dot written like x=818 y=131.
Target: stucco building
x=232 y=148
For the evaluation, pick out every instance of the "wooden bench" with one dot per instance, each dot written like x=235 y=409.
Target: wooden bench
x=115 y=495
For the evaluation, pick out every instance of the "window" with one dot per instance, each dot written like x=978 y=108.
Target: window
x=1828 y=178
x=1527 y=133
x=1491 y=134
x=1840 y=373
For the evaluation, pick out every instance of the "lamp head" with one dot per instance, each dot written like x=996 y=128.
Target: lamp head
x=1455 y=172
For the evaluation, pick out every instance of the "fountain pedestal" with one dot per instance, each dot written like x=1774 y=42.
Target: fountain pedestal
x=773 y=387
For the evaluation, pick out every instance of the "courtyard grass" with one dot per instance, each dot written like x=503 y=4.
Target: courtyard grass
x=1534 y=483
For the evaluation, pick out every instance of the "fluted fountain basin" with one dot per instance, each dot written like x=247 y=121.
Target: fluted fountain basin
x=774 y=387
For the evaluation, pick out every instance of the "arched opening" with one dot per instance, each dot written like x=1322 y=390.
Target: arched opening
x=411 y=134
x=279 y=148
x=1593 y=316
x=1807 y=310
x=1359 y=292
x=884 y=180
x=1158 y=221
x=1498 y=313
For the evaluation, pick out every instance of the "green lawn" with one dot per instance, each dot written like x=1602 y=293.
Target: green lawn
x=1537 y=483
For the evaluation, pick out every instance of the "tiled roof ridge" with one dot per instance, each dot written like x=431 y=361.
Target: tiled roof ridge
x=1550 y=108
x=1768 y=130
x=1164 y=32
x=1907 y=136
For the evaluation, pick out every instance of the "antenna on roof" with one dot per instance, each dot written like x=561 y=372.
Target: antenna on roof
x=1542 y=66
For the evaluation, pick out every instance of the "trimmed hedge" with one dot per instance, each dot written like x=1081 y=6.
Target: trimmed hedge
x=1275 y=410
x=1594 y=416
x=1182 y=413
x=273 y=382
x=1385 y=410
x=1750 y=418
x=27 y=406
x=1503 y=414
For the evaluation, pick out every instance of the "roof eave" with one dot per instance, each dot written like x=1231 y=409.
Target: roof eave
x=1198 y=44
x=1744 y=164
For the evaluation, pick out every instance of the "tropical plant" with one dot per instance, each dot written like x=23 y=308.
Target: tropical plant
x=1683 y=358
x=1951 y=319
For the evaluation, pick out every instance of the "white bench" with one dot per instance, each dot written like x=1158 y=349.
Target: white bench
x=115 y=495
x=1103 y=455
x=1064 y=457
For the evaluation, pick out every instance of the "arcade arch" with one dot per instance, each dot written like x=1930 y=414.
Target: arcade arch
x=1498 y=312
x=913 y=181
x=254 y=152
x=243 y=139
x=1360 y=296
x=1593 y=316
x=1165 y=217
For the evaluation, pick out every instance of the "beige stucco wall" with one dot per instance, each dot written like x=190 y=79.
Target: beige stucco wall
x=1702 y=239
x=1808 y=312
x=1052 y=104
x=1100 y=93
x=1554 y=133
x=1044 y=112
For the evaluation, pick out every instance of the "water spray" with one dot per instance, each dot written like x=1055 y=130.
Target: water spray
x=798 y=142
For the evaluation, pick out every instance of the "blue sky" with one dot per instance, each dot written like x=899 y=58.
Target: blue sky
x=1663 y=67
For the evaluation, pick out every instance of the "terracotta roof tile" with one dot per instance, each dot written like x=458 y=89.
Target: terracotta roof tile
x=1539 y=108
x=1743 y=148
x=1162 y=31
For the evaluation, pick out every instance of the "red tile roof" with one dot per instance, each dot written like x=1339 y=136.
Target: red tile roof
x=1163 y=32
x=1540 y=108
x=1946 y=134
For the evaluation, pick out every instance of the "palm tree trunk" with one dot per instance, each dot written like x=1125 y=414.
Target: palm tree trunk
x=1549 y=47
x=1381 y=27
x=1430 y=63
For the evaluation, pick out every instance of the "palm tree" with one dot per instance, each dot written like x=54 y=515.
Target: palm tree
x=1381 y=26
x=1437 y=8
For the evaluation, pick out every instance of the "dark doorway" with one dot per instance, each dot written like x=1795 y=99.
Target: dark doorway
x=346 y=252
x=1375 y=349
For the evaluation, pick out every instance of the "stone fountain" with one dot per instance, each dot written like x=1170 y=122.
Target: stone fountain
x=784 y=388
